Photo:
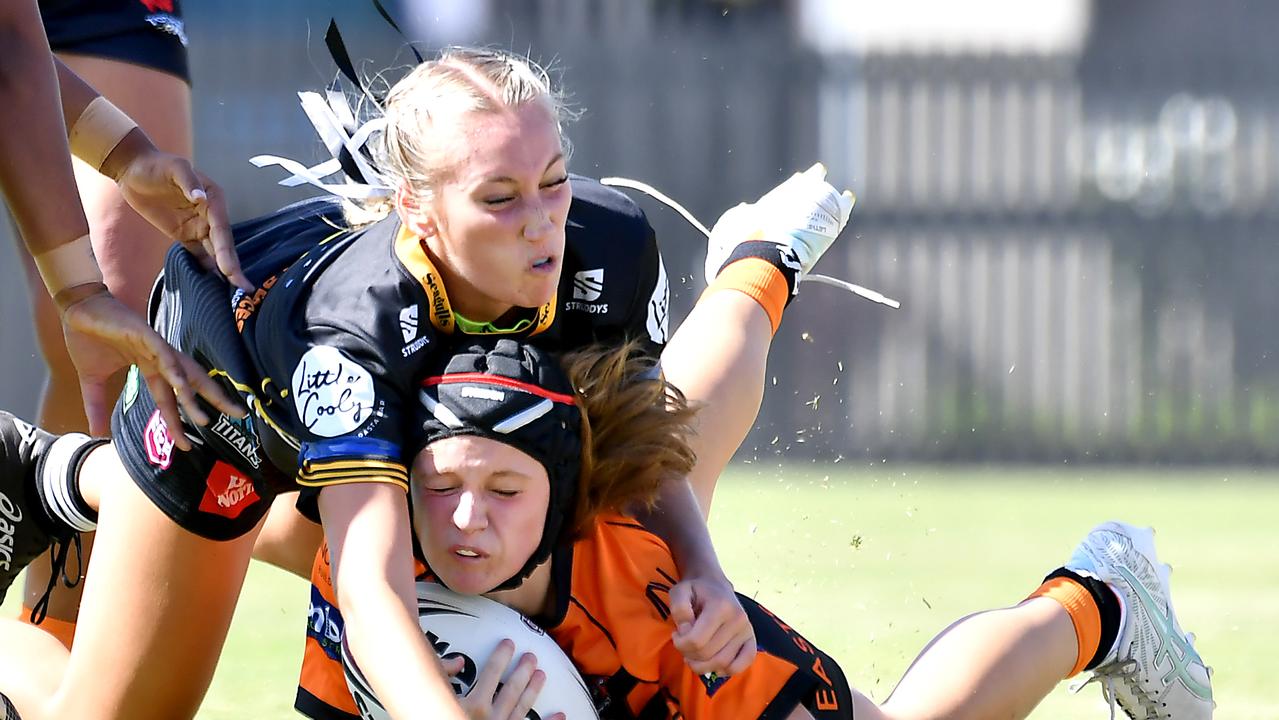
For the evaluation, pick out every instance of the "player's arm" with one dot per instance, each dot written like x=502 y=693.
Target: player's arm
x=163 y=188
x=347 y=406
x=35 y=168
x=367 y=529
x=103 y=336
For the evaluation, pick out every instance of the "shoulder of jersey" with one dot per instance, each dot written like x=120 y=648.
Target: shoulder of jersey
x=617 y=536
x=323 y=211
x=599 y=211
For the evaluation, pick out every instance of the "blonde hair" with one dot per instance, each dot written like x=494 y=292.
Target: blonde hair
x=635 y=431
x=461 y=80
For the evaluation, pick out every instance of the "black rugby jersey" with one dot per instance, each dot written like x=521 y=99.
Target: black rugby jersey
x=343 y=320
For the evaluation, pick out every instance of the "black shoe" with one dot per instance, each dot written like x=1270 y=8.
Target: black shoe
x=26 y=531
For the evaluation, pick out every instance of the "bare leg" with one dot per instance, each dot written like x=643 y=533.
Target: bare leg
x=288 y=540
x=129 y=250
x=31 y=665
x=994 y=665
x=155 y=612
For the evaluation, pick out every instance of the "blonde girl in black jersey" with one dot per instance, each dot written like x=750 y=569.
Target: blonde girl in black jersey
x=478 y=162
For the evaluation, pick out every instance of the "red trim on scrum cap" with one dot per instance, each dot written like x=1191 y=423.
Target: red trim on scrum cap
x=486 y=379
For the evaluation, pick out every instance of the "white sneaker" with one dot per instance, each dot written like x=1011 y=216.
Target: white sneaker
x=802 y=215
x=1153 y=671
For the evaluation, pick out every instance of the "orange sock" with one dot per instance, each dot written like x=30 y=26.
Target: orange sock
x=759 y=279
x=1084 y=614
x=61 y=629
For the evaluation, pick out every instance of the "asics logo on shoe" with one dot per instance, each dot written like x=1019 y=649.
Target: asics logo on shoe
x=790 y=258
x=1169 y=639
x=10 y=516
x=28 y=433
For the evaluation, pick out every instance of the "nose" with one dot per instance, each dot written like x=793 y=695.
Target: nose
x=469 y=516
x=538 y=223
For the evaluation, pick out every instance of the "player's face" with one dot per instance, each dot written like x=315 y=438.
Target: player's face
x=496 y=223
x=479 y=509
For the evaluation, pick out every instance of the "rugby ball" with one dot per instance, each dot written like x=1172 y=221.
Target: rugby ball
x=471 y=627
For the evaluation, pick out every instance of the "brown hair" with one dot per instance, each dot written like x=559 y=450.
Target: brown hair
x=635 y=430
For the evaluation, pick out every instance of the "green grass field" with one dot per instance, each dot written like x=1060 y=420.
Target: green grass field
x=871 y=563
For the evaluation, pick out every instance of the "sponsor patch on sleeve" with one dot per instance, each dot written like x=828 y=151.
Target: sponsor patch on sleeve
x=332 y=393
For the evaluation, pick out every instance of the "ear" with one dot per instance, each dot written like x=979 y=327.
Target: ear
x=414 y=214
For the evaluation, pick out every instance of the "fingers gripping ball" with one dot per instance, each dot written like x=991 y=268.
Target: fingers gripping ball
x=804 y=215
x=471 y=627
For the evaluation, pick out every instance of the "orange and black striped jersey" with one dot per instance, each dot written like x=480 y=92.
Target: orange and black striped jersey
x=614 y=623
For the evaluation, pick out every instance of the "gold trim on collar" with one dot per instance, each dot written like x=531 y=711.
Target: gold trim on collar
x=411 y=253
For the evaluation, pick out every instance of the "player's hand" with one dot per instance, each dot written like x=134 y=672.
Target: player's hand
x=492 y=699
x=711 y=628
x=104 y=336
x=803 y=215
x=184 y=205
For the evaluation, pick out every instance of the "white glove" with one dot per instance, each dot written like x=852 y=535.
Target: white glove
x=803 y=215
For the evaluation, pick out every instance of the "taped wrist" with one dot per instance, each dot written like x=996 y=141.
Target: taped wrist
x=779 y=256
x=98 y=130
x=70 y=272
x=765 y=271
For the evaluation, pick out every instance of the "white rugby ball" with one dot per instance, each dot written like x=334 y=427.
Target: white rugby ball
x=471 y=626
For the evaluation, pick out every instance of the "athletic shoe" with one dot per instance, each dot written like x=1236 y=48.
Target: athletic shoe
x=25 y=529
x=1153 y=671
x=803 y=216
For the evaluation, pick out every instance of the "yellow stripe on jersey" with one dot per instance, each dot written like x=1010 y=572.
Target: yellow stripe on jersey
x=320 y=476
x=257 y=404
x=366 y=478
x=411 y=253
x=314 y=473
x=313 y=466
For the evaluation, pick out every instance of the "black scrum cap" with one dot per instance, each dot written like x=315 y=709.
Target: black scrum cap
x=516 y=394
